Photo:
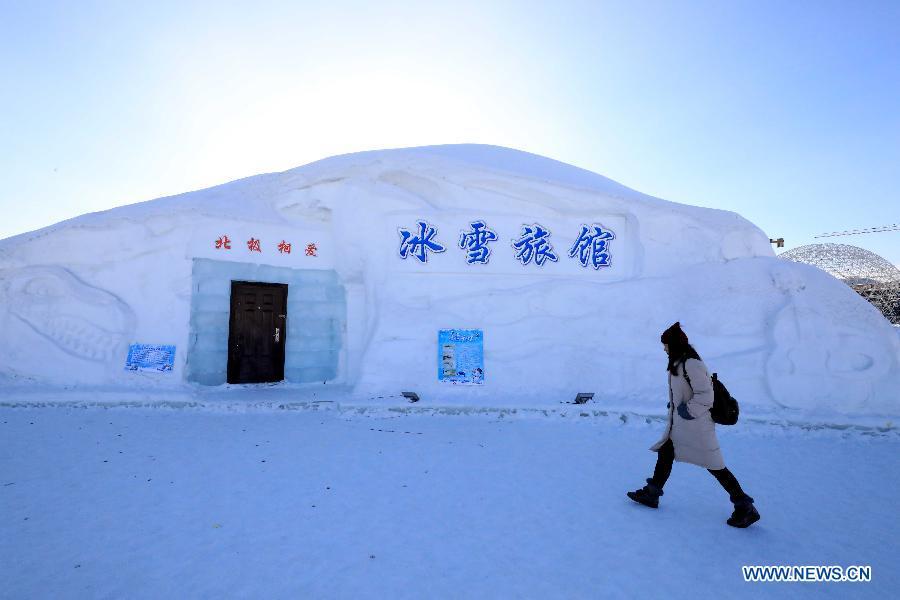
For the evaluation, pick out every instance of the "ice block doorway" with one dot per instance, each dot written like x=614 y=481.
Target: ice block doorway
x=256 y=332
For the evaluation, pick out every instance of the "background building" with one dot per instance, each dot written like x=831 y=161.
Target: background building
x=873 y=277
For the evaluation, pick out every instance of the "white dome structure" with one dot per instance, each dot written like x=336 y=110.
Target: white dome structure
x=873 y=277
x=472 y=275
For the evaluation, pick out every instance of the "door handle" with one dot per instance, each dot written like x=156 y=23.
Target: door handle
x=277 y=335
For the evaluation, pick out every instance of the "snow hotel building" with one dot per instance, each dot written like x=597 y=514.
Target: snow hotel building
x=472 y=274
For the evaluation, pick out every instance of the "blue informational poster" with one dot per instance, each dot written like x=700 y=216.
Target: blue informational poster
x=147 y=357
x=461 y=356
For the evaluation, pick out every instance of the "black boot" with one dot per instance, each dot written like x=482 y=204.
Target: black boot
x=745 y=514
x=647 y=495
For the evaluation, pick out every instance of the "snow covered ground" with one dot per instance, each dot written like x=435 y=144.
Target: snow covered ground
x=197 y=503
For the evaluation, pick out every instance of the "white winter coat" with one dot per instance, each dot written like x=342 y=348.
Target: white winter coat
x=694 y=440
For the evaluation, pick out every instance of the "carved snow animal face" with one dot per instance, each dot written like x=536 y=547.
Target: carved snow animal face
x=81 y=320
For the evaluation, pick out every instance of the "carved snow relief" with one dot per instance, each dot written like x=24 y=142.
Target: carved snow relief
x=79 y=319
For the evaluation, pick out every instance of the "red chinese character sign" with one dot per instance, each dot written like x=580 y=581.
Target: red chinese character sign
x=276 y=245
x=255 y=245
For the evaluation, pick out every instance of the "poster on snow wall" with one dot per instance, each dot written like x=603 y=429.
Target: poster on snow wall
x=461 y=356
x=146 y=357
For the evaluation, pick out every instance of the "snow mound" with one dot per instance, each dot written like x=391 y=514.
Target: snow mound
x=781 y=335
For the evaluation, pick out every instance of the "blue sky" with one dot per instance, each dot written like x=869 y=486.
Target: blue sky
x=786 y=112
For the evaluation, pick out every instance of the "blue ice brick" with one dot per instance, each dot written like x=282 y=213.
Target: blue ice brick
x=203 y=267
x=213 y=287
x=302 y=359
x=298 y=343
x=310 y=374
x=212 y=361
x=336 y=293
x=323 y=310
x=209 y=378
x=206 y=321
x=208 y=332
x=205 y=364
x=208 y=303
x=310 y=327
x=312 y=358
x=210 y=343
x=271 y=274
x=304 y=293
x=315 y=277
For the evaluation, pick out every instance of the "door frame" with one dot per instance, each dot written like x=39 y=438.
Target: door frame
x=233 y=367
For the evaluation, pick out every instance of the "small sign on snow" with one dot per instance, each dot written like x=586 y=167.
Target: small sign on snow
x=461 y=356
x=147 y=357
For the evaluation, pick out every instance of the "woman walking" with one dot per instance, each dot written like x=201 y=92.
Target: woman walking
x=691 y=433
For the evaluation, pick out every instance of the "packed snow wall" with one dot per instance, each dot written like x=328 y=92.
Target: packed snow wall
x=569 y=276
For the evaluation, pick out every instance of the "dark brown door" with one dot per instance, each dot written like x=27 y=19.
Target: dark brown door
x=257 y=332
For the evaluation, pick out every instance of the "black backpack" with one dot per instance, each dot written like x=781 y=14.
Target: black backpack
x=725 y=409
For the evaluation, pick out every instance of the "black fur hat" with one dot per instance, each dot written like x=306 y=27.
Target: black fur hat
x=674 y=336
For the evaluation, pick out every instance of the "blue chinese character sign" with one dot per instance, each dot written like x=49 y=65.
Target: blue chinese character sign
x=592 y=246
x=420 y=244
x=461 y=356
x=475 y=243
x=146 y=357
x=534 y=245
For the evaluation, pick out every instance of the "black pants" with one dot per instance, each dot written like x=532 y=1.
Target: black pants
x=666 y=457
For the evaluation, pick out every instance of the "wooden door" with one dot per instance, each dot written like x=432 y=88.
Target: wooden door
x=257 y=331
